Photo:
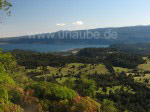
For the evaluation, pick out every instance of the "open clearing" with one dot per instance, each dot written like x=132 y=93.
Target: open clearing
x=144 y=67
x=119 y=69
x=74 y=69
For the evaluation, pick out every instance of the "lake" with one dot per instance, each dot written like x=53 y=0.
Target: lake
x=47 y=47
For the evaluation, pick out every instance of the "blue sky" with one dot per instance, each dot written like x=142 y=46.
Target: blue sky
x=39 y=16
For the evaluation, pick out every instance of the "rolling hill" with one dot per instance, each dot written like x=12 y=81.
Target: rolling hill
x=131 y=34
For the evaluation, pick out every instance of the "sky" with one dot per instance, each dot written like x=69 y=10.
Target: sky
x=42 y=16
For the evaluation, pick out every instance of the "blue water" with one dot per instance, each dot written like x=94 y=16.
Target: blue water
x=46 y=47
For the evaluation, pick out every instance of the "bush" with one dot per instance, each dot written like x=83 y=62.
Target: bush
x=69 y=83
x=10 y=108
x=108 y=106
x=53 y=91
x=5 y=79
x=3 y=95
x=85 y=104
x=86 y=87
x=78 y=104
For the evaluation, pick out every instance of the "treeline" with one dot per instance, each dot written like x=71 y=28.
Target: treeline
x=133 y=48
x=33 y=59
x=107 y=56
x=112 y=57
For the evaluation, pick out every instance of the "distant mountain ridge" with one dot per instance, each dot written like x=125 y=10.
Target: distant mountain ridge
x=131 y=34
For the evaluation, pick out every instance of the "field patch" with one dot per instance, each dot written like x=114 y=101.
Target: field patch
x=144 y=67
x=72 y=70
x=119 y=69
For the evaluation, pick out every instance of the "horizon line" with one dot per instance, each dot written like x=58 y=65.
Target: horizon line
x=74 y=30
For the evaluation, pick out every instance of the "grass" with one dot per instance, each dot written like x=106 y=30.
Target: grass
x=146 y=59
x=142 y=78
x=74 y=69
x=63 y=79
x=100 y=69
x=119 y=69
x=144 y=67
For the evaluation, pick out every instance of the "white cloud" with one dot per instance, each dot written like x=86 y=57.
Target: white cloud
x=60 y=24
x=80 y=23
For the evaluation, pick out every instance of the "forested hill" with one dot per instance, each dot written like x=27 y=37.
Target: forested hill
x=134 y=48
x=132 y=34
x=94 y=80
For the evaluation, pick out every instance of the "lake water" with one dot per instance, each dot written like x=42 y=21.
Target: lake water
x=46 y=47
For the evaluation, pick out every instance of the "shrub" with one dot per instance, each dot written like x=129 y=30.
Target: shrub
x=10 y=108
x=108 y=106
x=85 y=104
x=86 y=87
x=53 y=91
x=3 y=95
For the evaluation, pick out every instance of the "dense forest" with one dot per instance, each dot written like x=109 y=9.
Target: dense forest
x=107 y=56
x=133 y=48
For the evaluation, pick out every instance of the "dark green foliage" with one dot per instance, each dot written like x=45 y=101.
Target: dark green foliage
x=96 y=52
x=112 y=57
x=107 y=56
x=85 y=87
x=137 y=101
x=34 y=59
x=133 y=48
x=124 y=60
x=108 y=106
x=15 y=96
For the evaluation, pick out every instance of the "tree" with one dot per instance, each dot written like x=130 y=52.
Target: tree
x=3 y=95
x=104 y=89
x=146 y=81
x=7 y=61
x=108 y=106
x=69 y=83
x=45 y=72
x=5 y=6
x=86 y=87
x=5 y=65
x=2 y=69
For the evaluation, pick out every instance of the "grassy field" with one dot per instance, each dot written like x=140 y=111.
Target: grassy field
x=119 y=69
x=74 y=69
x=143 y=78
x=61 y=81
x=147 y=60
x=144 y=67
